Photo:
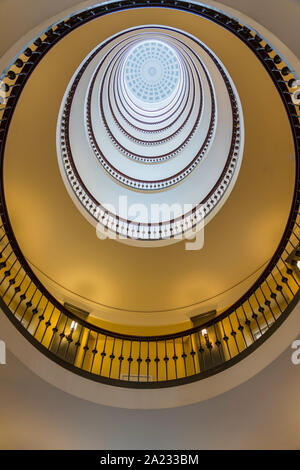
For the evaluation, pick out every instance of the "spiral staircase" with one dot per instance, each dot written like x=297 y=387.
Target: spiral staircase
x=161 y=101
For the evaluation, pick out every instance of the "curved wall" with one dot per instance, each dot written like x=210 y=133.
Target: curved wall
x=176 y=306
x=155 y=398
x=286 y=332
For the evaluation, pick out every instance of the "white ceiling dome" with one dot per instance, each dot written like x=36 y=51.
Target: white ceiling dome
x=151 y=119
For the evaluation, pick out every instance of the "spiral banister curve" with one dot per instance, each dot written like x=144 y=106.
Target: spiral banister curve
x=154 y=361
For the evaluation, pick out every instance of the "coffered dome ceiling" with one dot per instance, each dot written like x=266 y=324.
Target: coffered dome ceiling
x=161 y=107
x=156 y=108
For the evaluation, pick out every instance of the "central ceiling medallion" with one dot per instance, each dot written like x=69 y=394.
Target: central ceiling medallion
x=152 y=73
x=153 y=118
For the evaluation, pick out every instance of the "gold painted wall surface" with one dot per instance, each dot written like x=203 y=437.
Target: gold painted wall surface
x=57 y=239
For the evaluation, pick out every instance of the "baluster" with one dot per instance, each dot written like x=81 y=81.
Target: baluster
x=184 y=356
x=12 y=283
x=148 y=360
x=78 y=344
x=112 y=357
x=156 y=360
x=47 y=324
x=61 y=336
x=226 y=339
x=279 y=288
x=192 y=353
x=233 y=334
x=241 y=329
x=175 y=359
x=94 y=352
x=85 y=349
x=255 y=317
x=103 y=355
x=166 y=359
x=41 y=318
x=139 y=361
x=130 y=359
x=273 y=295
x=34 y=312
x=268 y=304
x=121 y=358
